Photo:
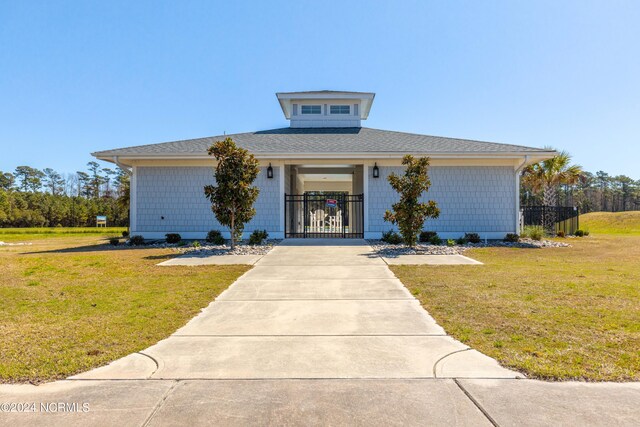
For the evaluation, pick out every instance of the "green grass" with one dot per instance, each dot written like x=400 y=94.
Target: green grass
x=73 y=306
x=40 y=232
x=553 y=313
x=611 y=222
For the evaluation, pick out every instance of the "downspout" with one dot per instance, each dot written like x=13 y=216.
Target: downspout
x=121 y=166
x=518 y=170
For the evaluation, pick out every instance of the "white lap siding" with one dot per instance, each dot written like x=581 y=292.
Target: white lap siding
x=177 y=195
x=471 y=199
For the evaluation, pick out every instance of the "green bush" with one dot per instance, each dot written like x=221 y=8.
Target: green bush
x=511 y=237
x=472 y=237
x=195 y=244
x=461 y=240
x=560 y=234
x=258 y=236
x=586 y=232
x=435 y=240
x=115 y=241
x=426 y=236
x=215 y=237
x=136 y=240
x=451 y=242
x=534 y=232
x=580 y=233
x=125 y=233
x=173 y=237
x=391 y=237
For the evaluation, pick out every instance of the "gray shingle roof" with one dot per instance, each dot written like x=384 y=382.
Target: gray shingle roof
x=325 y=140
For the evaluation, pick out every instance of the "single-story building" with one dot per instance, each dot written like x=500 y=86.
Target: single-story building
x=326 y=176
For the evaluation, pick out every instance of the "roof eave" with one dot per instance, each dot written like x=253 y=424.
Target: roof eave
x=534 y=156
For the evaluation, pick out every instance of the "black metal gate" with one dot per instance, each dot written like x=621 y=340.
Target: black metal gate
x=552 y=218
x=324 y=215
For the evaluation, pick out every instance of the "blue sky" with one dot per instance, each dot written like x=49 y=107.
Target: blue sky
x=77 y=77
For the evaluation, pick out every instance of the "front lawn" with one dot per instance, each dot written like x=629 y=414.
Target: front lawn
x=33 y=233
x=553 y=313
x=67 y=305
x=611 y=222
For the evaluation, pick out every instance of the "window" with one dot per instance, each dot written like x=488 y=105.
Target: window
x=310 y=109
x=340 y=109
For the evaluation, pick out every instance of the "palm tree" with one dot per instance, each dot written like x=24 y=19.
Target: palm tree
x=547 y=176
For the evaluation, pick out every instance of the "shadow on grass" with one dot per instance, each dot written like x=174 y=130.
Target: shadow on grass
x=94 y=248
x=162 y=257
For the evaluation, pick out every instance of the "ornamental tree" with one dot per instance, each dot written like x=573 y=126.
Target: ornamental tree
x=233 y=196
x=409 y=214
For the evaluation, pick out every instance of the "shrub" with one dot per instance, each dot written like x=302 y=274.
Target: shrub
x=233 y=196
x=461 y=240
x=560 y=234
x=426 y=236
x=409 y=212
x=173 y=237
x=136 y=240
x=586 y=232
x=391 y=237
x=511 y=237
x=451 y=242
x=534 y=232
x=195 y=244
x=115 y=241
x=579 y=233
x=472 y=237
x=215 y=237
x=258 y=236
x=125 y=233
x=435 y=240
x=537 y=233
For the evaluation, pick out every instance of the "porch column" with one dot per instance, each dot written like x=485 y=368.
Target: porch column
x=365 y=192
x=281 y=198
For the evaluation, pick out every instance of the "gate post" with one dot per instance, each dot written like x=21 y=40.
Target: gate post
x=345 y=206
x=304 y=215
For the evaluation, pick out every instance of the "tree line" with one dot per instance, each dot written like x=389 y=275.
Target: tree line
x=30 y=197
x=589 y=192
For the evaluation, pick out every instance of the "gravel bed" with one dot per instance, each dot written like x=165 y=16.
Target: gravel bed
x=14 y=244
x=207 y=249
x=383 y=248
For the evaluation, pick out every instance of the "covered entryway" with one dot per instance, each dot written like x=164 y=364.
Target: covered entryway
x=324 y=201
x=324 y=214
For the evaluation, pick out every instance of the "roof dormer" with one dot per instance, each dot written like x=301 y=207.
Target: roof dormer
x=325 y=108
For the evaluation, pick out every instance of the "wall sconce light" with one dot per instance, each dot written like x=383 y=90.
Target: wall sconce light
x=269 y=171
x=376 y=171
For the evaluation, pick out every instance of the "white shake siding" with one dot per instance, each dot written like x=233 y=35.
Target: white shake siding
x=471 y=199
x=171 y=200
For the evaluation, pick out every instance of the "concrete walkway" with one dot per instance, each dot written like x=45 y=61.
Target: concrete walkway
x=310 y=309
x=318 y=332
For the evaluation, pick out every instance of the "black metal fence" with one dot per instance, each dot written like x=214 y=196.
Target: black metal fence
x=552 y=218
x=325 y=215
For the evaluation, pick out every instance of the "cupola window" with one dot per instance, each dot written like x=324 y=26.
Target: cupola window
x=340 y=109
x=310 y=109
